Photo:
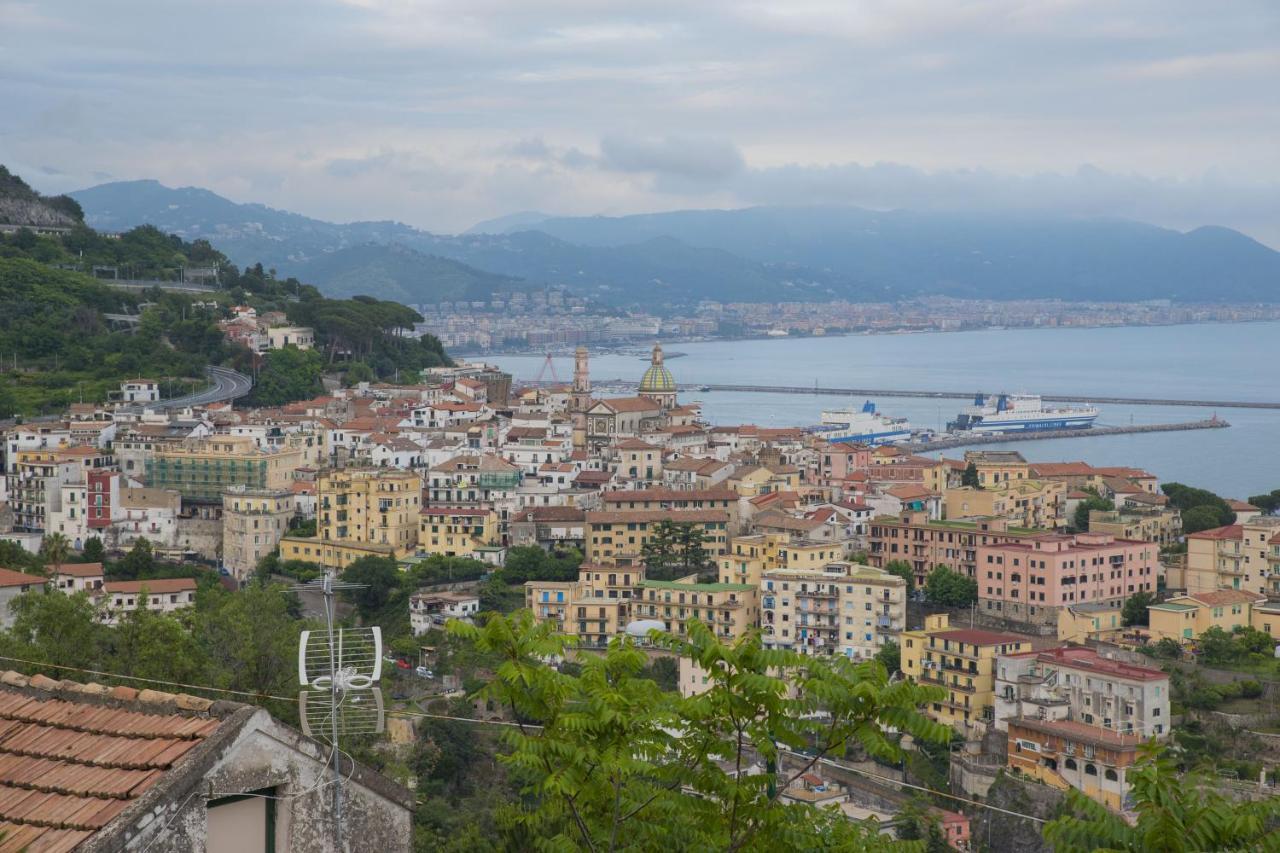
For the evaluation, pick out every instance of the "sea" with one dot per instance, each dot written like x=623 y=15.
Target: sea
x=1218 y=361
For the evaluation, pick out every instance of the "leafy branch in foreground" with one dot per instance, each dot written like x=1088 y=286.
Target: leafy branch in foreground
x=610 y=762
x=1177 y=812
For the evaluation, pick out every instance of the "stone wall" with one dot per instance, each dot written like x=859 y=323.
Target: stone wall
x=1004 y=833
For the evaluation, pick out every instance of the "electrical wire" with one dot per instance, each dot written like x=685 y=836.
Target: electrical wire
x=429 y=716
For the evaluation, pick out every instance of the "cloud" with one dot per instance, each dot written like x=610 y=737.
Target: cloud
x=673 y=158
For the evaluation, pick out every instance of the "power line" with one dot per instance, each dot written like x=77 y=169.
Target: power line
x=429 y=716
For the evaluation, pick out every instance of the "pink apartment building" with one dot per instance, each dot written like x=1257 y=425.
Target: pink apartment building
x=1031 y=580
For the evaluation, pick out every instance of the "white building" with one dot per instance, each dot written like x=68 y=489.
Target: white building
x=431 y=609
x=163 y=595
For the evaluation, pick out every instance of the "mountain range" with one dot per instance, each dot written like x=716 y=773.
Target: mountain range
x=762 y=254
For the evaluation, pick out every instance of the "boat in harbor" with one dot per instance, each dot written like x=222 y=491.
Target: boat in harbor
x=995 y=414
x=862 y=426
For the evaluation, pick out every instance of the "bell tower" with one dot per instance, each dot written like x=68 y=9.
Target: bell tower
x=580 y=398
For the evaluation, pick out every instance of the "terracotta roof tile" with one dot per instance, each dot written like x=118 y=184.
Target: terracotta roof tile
x=74 y=756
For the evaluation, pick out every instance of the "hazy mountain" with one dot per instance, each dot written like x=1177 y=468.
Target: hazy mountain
x=755 y=254
x=962 y=254
x=521 y=221
x=399 y=273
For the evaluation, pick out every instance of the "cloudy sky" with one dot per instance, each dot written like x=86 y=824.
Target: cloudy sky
x=444 y=112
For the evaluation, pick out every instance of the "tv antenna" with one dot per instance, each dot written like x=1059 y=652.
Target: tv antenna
x=339 y=670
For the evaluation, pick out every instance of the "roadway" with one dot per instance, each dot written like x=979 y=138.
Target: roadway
x=227 y=385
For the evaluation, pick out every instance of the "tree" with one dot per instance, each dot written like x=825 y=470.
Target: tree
x=1187 y=498
x=689 y=539
x=358 y=372
x=249 y=638
x=55 y=548
x=902 y=569
x=1200 y=518
x=138 y=563
x=969 y=476
x=1268 y=503
x=379 y=576
x=619 y=763
x=147 y=644
x=949 y=588
x=1135 y=609
x=59 y=629
x=289 y=374
x=1217 y=646
x=93 y=551
x=1177 y=812
x=890 y=656
x=1080 y=519
x=659 y=551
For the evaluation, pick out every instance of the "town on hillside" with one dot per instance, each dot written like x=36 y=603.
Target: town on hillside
x=1068 y=613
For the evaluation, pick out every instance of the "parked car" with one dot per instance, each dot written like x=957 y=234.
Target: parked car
x=424 y=672
x=403 y=664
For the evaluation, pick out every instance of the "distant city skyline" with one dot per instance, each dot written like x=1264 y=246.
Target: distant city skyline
x=443 y=114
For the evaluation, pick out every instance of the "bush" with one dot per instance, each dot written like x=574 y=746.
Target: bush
x=1250 y=689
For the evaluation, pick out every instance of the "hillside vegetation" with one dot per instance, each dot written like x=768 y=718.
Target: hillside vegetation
x=58 y=344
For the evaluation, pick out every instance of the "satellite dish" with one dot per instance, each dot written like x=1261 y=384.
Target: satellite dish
x=641 y=627
x=345 y=659
x=356 y=712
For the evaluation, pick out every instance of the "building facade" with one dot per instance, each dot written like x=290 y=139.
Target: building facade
x=253 y=523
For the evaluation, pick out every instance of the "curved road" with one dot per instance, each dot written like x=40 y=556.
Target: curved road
x=227 y=385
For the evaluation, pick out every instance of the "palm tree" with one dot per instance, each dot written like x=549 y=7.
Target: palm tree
x=1176 y=812
x=55 y=549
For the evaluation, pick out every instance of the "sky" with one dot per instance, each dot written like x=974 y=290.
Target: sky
x=441 y=113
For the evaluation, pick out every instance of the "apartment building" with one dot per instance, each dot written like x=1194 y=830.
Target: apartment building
x=728 y=609
x=1159 y=524
x=429 y=610
x=618 y=537
x=1239 y=556
x=838 y=609
x=360 y=512
x=35 y=487
x=456 y=531
x=748 y=557
x=1070 y=754
x=1022 y=502
x=998 y=468
x=592 y=609
x=676 y=499
x=203 y=469
x=1033 y=580
x=253 y=523
x=924 y=543
x=963 y=662
x=1185 y=617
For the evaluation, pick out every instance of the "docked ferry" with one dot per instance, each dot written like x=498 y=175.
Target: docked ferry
x=865 y=426
x=994 y=414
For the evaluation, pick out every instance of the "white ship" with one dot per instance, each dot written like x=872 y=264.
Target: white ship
x=866 y=426
x=1003 y=413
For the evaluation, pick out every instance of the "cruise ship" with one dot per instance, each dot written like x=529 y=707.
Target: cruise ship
x=994 y=414
x=865 y=426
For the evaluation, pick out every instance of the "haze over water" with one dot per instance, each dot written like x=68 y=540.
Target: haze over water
x=1207 y=361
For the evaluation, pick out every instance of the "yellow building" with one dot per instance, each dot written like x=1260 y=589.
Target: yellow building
x=1266 y=618
x=618 y=537
x=201 y=470
x=961 y=660
x=592 y=609
x=253 y=523
x=839 y=608
x=360 y=512
x=749 y=557
x=456 y=531
x=1025 y=503
x=1239 y=556
x=810 y=555
x=1186 y=617
x=997 y=467
x=728 y=609
x=1081 y=622
x=1161 y=525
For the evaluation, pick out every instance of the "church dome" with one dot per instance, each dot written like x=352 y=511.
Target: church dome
x=657 y=379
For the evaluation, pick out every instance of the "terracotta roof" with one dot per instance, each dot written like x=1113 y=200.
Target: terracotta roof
x=1242 y=506
x=8 y=577
x=1231 y=531
x=81 y=570
x=1084 y=658
x=1077 y=731
x=74 y=756
x=1061 y=469
x=630 y=404
x=643 y=515
x=978 y=637
x=909 y=492
x=635 y=444
x=641 y=495
x=1225 y=596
